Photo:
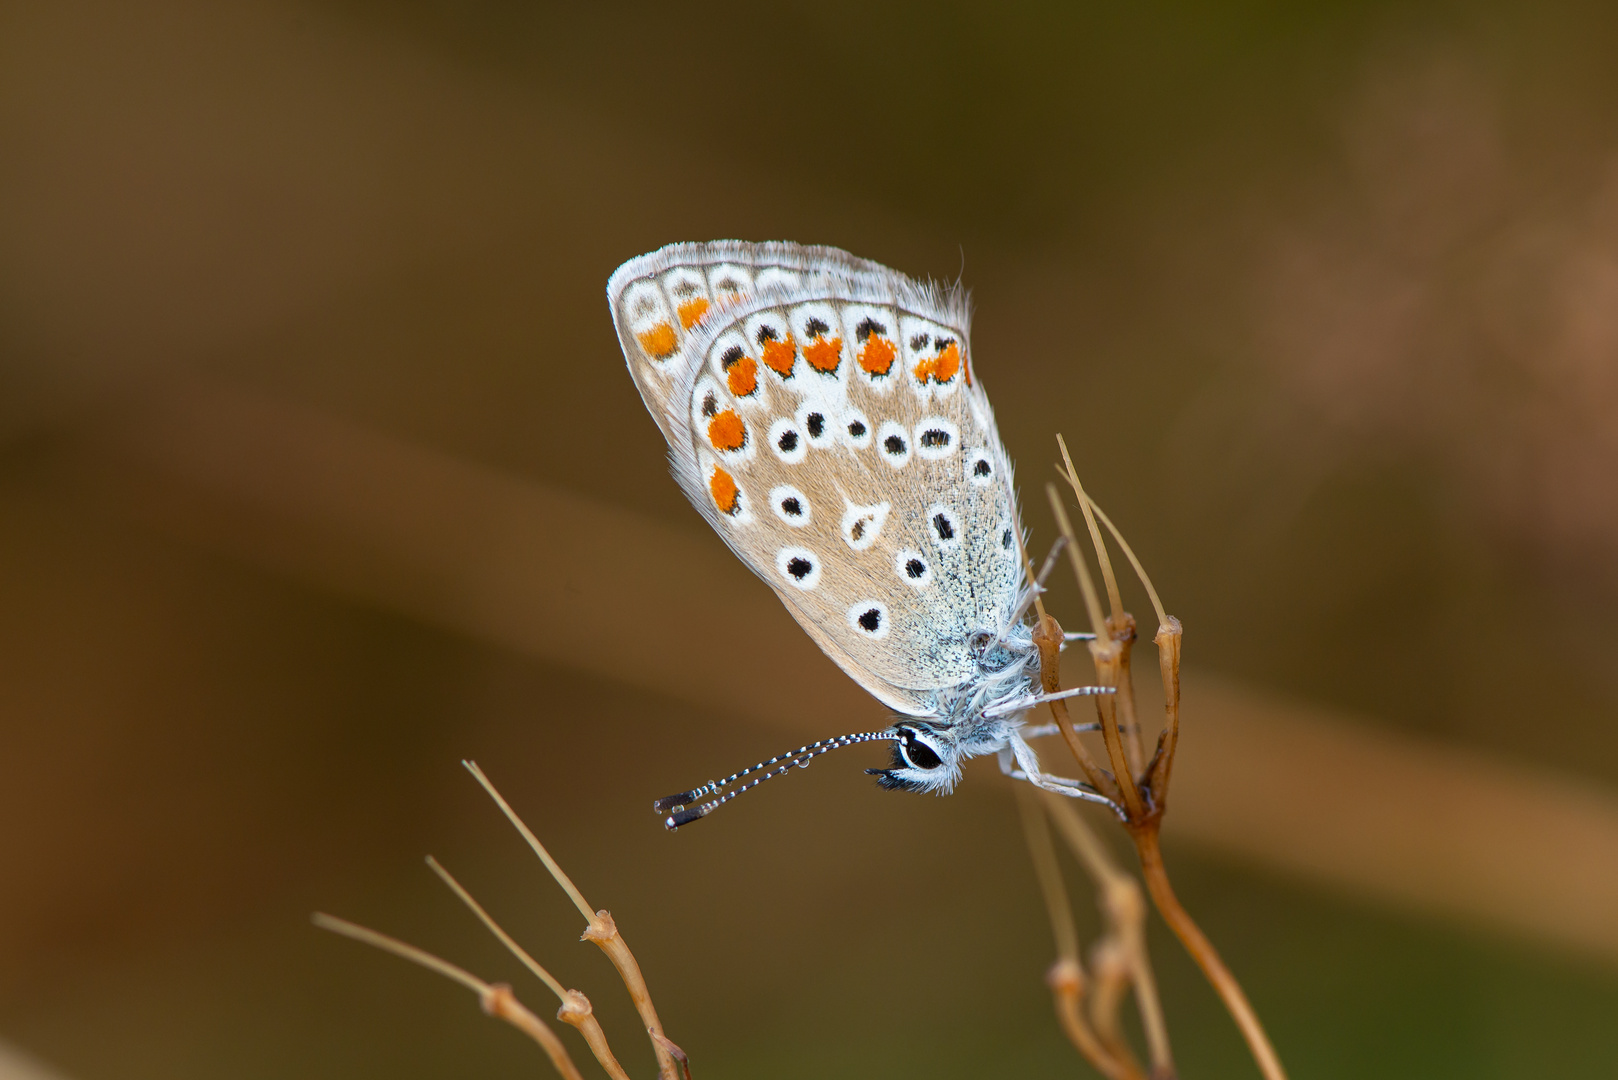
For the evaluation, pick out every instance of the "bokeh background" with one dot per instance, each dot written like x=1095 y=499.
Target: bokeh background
x=319 y=471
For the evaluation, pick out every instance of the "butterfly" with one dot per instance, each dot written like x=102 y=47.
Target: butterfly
x=823 y=414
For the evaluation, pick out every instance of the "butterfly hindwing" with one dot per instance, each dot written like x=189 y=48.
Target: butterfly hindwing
x=823 y=416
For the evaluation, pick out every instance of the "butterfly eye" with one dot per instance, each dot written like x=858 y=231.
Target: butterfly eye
x=917 y=754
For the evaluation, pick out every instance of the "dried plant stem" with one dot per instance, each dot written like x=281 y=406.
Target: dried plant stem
x=1105 y=652
x=1169 y=636
x=1066 y=979
x=1126 y=915
x=1141 y=807
x=1202 y=951
x=1111 y=976
x=1120 y=624
x=601 y=930
x=1040 y=850
x=1048 y=639
x=494 y=928
x=497 y=1000
x=575 y=1007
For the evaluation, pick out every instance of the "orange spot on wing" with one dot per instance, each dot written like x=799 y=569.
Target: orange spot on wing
x=941 y=368
x=779 y=355
x=658 y=341
x=743 y=376
x=691 y=311
x=877 y=356
x=824 y=355
x=726 y=495
x=726 y=431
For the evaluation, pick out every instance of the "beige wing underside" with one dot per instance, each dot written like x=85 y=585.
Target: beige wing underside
x=823 y=415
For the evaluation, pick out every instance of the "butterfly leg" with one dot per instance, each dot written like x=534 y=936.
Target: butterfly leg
x=1041 y=731
x=1017 y=760
x=1037 y=586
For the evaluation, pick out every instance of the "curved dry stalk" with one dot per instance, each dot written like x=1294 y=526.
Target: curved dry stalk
x=575 y=1008
x=1141 y=807
x=1048 y=638
x=1125 y=912
x=1202 y=951
x=1066 y=980
x=497 y=999
x=602 y=930
x=1106 y=654
x=494 y=928
x=1069 y=474
x=1043 y=855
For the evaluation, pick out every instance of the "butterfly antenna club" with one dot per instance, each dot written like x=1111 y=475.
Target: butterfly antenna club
x=686 y=807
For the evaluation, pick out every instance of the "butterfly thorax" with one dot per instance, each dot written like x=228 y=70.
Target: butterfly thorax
x=980 y=716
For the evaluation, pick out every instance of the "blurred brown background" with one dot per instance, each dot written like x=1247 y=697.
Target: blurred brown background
x=320 y=471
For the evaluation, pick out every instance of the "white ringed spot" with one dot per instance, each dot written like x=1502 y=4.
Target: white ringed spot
x=790 y=505
x=936 y=438
x=944 y=525
x=799 y=566
x=893 y=443
x=818 y=422
x=856 y=429
x=980 y=468
x=869 y=619
x=913 y=568
x=787 y=441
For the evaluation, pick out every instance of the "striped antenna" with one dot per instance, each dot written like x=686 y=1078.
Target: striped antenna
x=682 y=812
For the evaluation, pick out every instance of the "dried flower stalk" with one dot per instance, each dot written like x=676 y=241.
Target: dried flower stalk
x=1139 y=794
x=498 y=1000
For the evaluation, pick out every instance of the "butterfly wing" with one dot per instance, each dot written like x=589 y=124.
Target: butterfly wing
x=822 y=414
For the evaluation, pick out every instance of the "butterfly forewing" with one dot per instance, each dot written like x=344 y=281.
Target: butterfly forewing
x=822 y=415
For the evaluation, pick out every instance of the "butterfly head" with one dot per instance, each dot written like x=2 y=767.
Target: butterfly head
x=925 y=759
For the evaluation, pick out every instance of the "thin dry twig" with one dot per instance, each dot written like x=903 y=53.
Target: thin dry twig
x=601 y=930
x=497 y=999
x=1043 y=854
x=1105 y=652
x=1120 y=627
x=1067 y=975
x=1141 y=799
x=1066 y=980
x=575 y=1008
x=1121 y=905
